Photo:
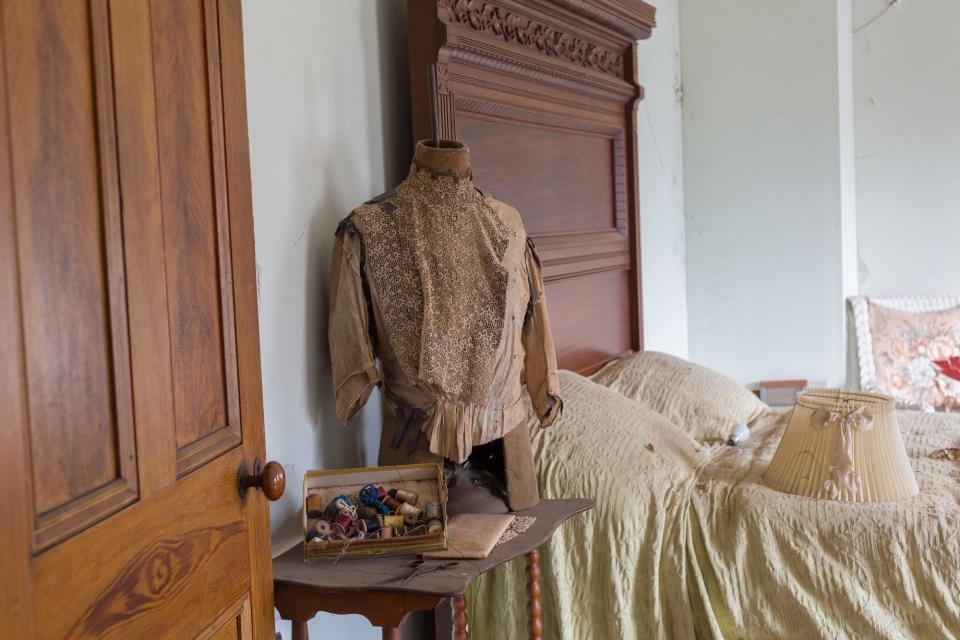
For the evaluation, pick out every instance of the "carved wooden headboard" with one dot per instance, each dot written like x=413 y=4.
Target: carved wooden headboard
x=544 y=93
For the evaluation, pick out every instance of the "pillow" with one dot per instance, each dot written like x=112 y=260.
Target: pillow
x=913 y=356
x=703 y=402
x=619 y=441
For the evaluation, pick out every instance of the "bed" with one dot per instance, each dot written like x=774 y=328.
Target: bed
x=686 y=541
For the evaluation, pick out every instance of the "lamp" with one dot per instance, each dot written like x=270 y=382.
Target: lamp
x=843 y=445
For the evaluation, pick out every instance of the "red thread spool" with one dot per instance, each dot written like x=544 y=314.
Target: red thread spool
x=342 y=523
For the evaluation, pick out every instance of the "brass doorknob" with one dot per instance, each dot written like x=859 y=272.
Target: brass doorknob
x=270 y=479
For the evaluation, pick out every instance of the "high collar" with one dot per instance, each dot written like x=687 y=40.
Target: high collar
x=450 y=159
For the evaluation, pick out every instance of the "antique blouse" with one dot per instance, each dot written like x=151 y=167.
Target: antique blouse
x=441 y=284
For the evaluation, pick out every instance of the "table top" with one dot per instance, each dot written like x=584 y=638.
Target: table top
x=328 y=575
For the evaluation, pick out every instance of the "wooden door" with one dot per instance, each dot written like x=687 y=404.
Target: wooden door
x=129 y=364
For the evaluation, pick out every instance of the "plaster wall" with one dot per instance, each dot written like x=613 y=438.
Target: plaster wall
x=907 y=91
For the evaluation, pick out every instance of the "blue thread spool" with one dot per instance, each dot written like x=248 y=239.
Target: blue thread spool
x=370 y=496
x=341 y=504
x=369 y=525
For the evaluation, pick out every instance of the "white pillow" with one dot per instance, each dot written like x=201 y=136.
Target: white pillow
x=703 y=402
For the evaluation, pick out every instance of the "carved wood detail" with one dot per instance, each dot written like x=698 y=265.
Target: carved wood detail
x=481 y=54
x=515 y=28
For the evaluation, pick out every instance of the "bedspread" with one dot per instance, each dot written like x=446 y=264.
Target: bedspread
x=687 y=542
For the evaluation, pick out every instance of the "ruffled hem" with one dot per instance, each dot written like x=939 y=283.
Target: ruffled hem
x=475 y=425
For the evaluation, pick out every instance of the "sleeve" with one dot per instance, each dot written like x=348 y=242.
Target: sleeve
x=540 y=362
x=351 y=351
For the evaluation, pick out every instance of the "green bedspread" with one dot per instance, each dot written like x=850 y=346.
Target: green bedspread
x=687 y=542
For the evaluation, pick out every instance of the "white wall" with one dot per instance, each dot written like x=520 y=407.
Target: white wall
x=762 y=174
x=329 y=128
x=663 y=227
x=907 y=81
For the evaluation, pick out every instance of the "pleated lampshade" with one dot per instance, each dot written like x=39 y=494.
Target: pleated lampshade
x=843 y=445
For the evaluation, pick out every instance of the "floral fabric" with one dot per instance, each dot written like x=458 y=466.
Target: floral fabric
x=912 y=352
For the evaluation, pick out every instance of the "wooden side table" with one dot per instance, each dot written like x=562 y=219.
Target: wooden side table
x=371 y=586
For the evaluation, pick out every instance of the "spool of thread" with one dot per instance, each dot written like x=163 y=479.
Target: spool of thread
x=386 y=532
x=405 y=496
x=410 y=519
x=366 y=512
x=433 y=516
x=319 y=529
x=369 y=525
x=395 y=522
x=342 y=524
x=432 y=511
x=372 y=496
x=314 y=506
x=392 y=503
x=408 y=510
x=342 y=504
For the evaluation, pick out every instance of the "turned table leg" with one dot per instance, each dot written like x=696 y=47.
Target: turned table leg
x=391 y=633
x=299 y=628
x=534 y=625
x=460 y=618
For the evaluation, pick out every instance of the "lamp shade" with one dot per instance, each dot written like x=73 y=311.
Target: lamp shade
x=843 y=445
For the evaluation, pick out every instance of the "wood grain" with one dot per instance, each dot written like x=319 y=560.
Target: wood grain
x=190 y=176
x=16 y=597
x=147 y=292
x=67 y=246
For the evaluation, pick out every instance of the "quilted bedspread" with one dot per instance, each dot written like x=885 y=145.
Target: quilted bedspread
x=687 y=542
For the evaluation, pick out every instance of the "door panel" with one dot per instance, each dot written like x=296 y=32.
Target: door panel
x=188 y=569
x=128 y=334
x=196 y=229
x=69 y=250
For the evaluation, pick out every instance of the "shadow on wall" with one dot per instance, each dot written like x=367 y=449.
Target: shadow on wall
x=358 y=444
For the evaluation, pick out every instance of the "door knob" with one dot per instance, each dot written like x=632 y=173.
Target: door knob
x=270 y=479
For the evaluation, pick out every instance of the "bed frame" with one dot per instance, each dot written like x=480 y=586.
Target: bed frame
x=544 y=93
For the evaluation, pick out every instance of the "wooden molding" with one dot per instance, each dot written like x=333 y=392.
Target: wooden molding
x=633 y=18
x=516 y=28
x=483 y=54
